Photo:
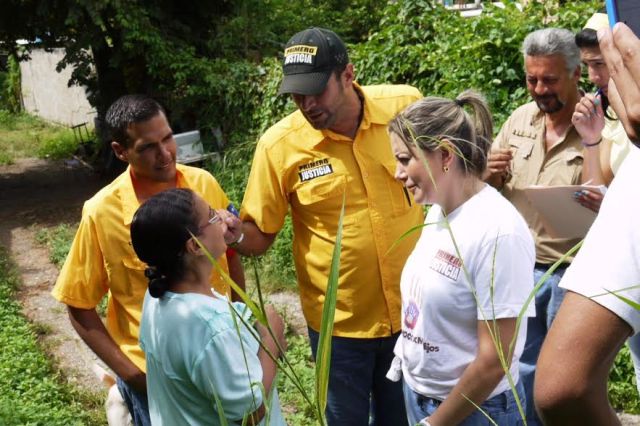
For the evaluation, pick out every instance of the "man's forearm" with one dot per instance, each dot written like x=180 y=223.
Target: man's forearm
x=254 y=241
x=90 y=328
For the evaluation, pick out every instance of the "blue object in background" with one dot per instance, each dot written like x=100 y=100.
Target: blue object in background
x=232 y=209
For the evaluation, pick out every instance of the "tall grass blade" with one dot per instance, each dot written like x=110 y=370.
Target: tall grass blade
x=323 y=355
x=290 y=371
x=259 y=313
x=626 y=300
x=407 y=233
x=535 y=290
x=620 y=290
x=221 y=417
x=236 y=325
x=255 y=310
x=484 y=413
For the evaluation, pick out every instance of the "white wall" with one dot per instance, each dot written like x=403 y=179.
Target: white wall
x=45 y=92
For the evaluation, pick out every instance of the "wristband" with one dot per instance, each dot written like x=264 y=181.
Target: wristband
x=238 y=241
x=589 y=145
x=424 y=422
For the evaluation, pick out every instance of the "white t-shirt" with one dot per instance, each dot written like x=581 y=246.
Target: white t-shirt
x=610 y=256
x=439 y=312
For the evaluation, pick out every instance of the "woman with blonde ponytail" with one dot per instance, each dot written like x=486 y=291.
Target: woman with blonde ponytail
x=469 y=275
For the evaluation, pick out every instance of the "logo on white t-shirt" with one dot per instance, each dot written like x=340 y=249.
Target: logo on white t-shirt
x=411 y=314
x=446 y=264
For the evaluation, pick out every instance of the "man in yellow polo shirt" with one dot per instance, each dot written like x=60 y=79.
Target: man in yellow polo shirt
x=336 y=144
x=102 y=259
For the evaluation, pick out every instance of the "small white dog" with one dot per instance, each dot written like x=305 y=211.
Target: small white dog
x=117 y=411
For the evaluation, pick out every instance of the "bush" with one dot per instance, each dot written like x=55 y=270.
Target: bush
x=623 y=392
x=440 y=52
x=10 y=90
x=59 y=144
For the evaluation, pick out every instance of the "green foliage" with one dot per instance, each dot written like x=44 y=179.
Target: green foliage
x=623 y=392
x=59 y=145
x=10 y=90
x=31 y=391
x=421 y=43
x=277 y=265
x=23 y=135
x=296 y=411
x=58 y=241
x=5 y=159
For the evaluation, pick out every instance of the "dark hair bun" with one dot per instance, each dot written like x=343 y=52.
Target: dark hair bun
x=158 y=283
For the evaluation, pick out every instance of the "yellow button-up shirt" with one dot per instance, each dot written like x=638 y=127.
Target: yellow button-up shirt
x=308 y=171
x=524 y=134
x=102 y=259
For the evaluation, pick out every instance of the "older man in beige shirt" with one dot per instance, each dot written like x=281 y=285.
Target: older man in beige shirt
x=538 y=145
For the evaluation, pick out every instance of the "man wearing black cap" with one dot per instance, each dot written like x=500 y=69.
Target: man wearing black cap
x=336 y=147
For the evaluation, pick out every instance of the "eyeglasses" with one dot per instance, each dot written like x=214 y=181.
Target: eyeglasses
x=213 y=218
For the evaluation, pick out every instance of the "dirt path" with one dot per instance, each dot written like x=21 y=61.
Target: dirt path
x=35 y=194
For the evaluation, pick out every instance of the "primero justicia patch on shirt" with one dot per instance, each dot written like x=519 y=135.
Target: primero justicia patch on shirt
x=446 y=264
x=314 y=169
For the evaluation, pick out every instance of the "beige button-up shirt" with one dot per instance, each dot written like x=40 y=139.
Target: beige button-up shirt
x=524 y=134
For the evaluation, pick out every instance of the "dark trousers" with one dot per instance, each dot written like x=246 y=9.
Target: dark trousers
x=359 y=392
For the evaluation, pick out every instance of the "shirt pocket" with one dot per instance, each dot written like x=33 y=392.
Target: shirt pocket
x=134 y=271
x=573 y=158
x=400 y=198
x=521 y=149
x=322 y=192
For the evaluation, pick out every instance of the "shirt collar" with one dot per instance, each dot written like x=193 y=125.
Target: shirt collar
x=128 y=197
x=372 y=114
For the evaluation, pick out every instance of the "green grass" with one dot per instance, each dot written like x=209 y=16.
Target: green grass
x=23 y=135
x=32 y=392
x=58 y=240
x=295 y=409
x=623 y=392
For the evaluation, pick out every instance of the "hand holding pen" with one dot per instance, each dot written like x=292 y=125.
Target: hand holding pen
x=588 y=119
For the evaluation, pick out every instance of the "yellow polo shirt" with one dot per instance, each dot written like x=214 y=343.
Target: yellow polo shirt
x=307 y=171
x=523 y=133
x=102 y=259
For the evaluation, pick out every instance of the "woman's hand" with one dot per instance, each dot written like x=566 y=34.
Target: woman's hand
x=590 y=199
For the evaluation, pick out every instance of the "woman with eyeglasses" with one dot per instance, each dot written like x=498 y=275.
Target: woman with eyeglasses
x=469 y=275
x=200 y=354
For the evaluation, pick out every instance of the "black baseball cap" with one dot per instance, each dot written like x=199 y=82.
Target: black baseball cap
x=310 y=57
